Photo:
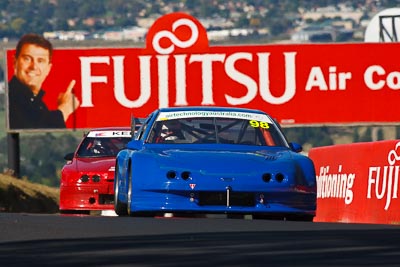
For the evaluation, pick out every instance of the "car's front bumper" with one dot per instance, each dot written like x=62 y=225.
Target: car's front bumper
x=223 y=202
x=87 y=197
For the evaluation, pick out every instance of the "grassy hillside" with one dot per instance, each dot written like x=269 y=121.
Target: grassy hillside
x=18 y=195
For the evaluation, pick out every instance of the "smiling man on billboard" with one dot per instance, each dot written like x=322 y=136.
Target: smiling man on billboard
x=32 y=64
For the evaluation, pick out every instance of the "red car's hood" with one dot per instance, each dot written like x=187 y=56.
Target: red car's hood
x=94 y=164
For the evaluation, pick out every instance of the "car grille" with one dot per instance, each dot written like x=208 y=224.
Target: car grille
x=221 y=199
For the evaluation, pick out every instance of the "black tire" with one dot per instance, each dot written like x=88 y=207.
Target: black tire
x=129 y=195
x=120 y=208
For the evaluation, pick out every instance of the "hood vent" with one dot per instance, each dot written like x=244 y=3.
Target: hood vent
x=270 y=157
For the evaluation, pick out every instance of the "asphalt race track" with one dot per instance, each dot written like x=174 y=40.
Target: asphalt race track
x=54 y=240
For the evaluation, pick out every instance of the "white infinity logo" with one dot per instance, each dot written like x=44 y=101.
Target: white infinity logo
x=175 y=41
x=393 y=156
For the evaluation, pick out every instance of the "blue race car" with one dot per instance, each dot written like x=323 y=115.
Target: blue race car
x=213 y=160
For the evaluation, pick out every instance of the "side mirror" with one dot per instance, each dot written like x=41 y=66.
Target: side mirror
x=296 y=147
x=135 y=144
x=69 y=156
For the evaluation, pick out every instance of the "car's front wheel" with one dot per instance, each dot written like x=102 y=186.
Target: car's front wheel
x=119 y=207
x=129 y=196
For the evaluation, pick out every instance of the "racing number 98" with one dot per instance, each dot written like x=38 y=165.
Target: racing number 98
x=259 y=124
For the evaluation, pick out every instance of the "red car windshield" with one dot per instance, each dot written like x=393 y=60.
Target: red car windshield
x=102 y=147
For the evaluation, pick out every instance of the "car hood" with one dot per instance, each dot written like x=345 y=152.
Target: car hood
x=94 y=164
x=219 y=159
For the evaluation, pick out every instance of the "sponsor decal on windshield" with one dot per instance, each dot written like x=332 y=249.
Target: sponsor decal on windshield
x=211 y=114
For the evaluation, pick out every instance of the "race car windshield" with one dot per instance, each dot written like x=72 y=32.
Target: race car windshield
x=102 y=147
x=217 y=130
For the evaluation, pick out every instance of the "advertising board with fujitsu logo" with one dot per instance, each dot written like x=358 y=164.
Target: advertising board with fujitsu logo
x=298 y=84
x=358 y=182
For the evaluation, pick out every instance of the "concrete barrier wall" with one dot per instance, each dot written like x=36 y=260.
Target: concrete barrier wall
x=358 y=183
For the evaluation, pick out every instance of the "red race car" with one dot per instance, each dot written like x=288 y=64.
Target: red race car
x=87 y=179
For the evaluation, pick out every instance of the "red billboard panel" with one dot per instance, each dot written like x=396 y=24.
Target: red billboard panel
x=358 y=183
x=299 y=84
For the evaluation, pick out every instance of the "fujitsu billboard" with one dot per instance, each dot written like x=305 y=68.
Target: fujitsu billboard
x=298 y=84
